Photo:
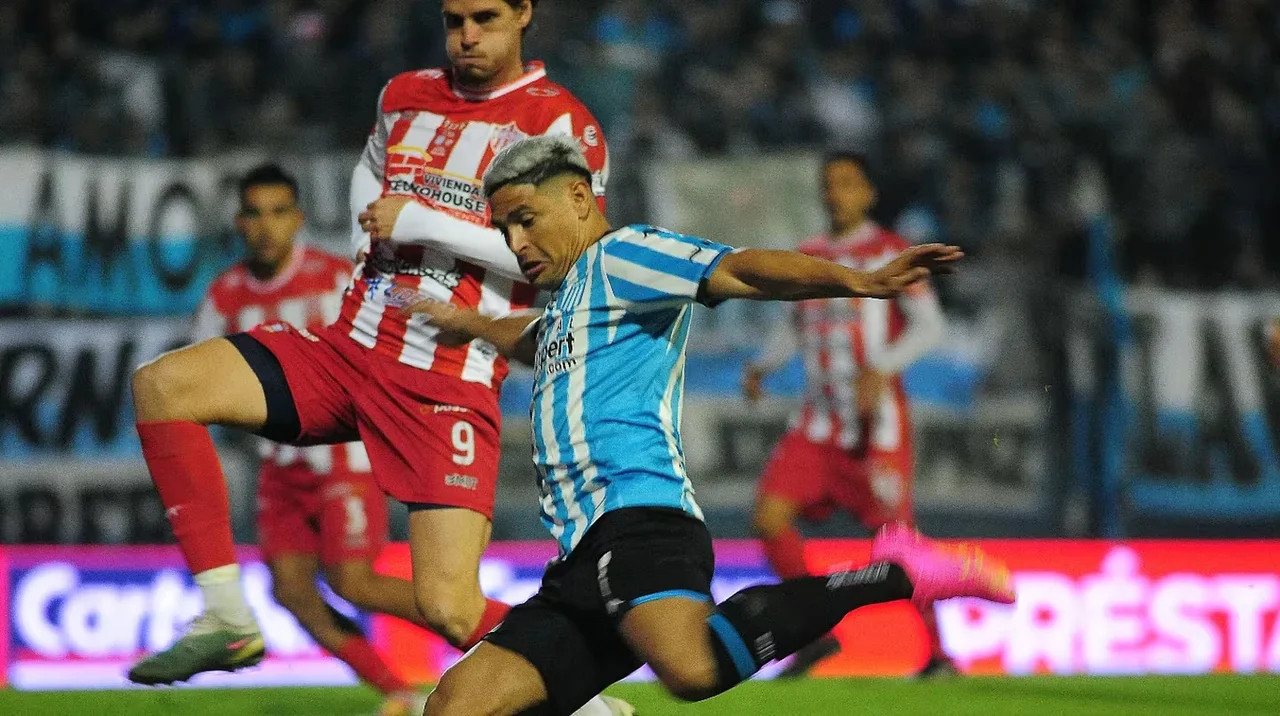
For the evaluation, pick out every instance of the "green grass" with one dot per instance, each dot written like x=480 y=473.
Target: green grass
x=1189 y=696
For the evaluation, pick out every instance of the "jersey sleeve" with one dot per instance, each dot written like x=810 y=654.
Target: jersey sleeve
x=209 y=321
x=437 y=230
x=366 y=177
x=572 y=119
x=655 y=268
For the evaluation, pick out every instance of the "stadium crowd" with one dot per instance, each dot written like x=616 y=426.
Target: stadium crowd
x=987 y=119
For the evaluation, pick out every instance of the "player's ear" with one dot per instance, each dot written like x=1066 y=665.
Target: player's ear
x=583 y=197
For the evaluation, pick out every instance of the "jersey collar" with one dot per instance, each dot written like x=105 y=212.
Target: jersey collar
x=279 y=280
x=533 y=71
x=866 y=231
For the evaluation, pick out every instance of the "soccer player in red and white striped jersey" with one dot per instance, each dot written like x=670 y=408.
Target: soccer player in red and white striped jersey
x=850 y=445
x=426 y=409
x=318 y=506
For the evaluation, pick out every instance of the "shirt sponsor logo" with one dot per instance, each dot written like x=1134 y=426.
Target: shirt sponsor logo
x=440 y=191
x=383 y=259
x=555 y=356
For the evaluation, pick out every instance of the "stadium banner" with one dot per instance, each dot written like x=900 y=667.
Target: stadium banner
x=65 y=384
x=81 y=234
x=79 y=616
x=1185 y=399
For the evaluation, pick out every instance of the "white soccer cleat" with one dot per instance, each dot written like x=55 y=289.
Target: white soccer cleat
x=606 y=706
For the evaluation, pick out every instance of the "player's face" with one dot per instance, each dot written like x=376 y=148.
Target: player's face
x=849 y=194
x=544 y=226
x=269 y=218
x=482 y=38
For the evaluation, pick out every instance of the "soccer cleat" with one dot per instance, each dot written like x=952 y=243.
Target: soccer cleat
x=209 y=645
x=937 y=572
x=937 y=667
x=809 y=656
x=403 y=703
x=618 y=707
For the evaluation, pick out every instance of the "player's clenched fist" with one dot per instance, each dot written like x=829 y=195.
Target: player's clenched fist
x=379 y=218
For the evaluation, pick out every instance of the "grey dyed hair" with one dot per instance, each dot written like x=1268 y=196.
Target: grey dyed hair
x=534 y=160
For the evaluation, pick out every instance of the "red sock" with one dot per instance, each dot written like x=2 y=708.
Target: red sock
x=785 y=552
x=185 y=469
x=494 y=613
x=369 y=666
x=930 y=619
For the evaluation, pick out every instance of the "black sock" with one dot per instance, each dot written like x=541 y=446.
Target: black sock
x=346 y=624
x=769 y=622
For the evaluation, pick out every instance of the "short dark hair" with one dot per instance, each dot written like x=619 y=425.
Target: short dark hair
x=517 y=3
x=857 y=159
x=268 y=174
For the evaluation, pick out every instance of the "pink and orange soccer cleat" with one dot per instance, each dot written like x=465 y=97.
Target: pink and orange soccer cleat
x=939 y=572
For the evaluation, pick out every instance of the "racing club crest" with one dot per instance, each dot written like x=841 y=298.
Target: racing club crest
x=504 y=135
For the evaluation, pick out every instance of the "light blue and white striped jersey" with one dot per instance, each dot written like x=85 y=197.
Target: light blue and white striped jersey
x=609 y=379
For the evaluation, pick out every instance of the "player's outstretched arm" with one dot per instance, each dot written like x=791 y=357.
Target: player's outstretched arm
x=767 y=275
x=512 y=335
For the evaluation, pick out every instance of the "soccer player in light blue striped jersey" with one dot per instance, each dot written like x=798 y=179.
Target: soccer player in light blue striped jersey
x=632 y=582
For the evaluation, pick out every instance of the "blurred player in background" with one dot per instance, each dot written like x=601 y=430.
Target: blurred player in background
x=426 y=410
x=850 y=446
x=1272 y=335
x=318 y=507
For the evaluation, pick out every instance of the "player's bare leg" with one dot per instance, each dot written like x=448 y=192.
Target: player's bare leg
x=358 y=583
x=293 y=585
x=445 y=546
x=176 y=397
x=672 y=636
x=489 y=680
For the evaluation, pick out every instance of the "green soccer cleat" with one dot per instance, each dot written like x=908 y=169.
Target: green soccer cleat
x=209 y=645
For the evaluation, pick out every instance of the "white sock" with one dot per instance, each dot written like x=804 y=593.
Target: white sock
x=224 y=597
x=594 y=707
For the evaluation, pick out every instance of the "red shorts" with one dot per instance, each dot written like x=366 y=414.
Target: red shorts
x=873 y=485
x=340 y=517
x=431 y=438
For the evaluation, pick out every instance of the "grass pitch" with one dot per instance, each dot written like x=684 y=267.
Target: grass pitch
x=1040 y=696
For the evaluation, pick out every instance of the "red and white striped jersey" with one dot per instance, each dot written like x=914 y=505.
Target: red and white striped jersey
x=306 y=294
x=839 y=338
x=433 y=141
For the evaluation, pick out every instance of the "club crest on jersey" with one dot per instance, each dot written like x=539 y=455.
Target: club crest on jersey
x=591 y=136
x=504 y=136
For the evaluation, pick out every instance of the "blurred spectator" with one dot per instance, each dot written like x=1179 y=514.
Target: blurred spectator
x=978 y=113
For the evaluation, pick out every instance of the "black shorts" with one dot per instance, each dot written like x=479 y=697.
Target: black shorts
x=569 y=629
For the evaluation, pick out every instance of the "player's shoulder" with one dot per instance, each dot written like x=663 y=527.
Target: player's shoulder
x=226 y=287
x=648 y=244
x=890 y=239
x=814 y=245
x=321 y=261
x=553 y=95
x=229 y=281
x=416 y=89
